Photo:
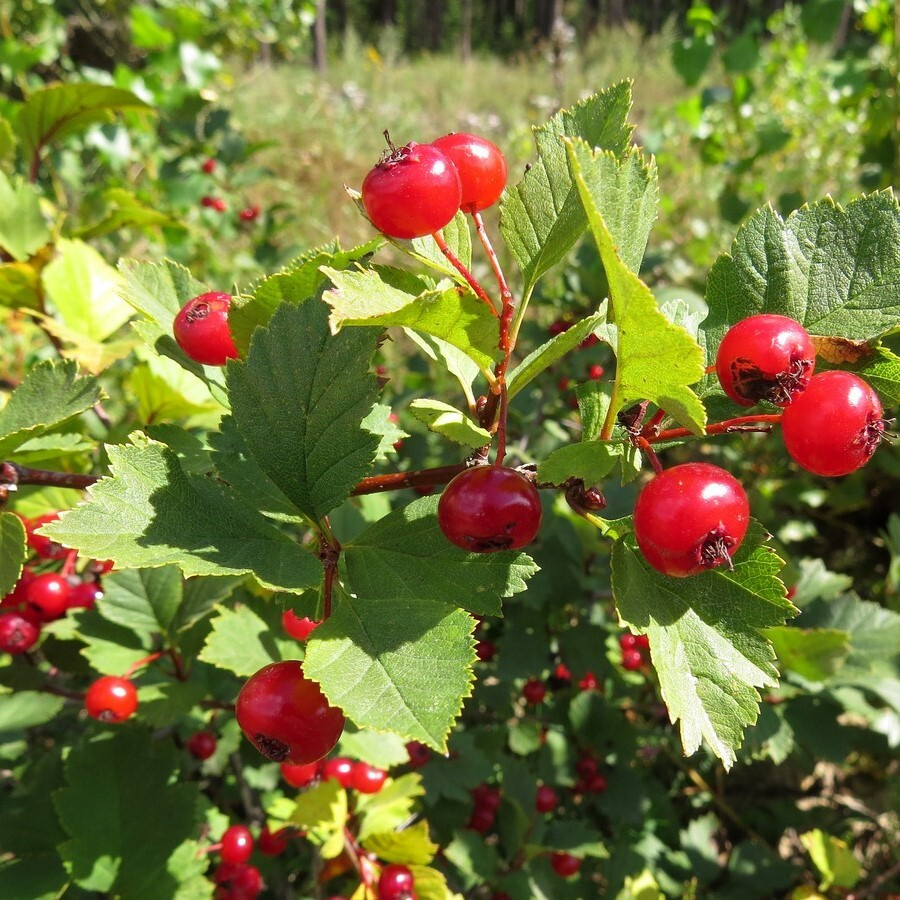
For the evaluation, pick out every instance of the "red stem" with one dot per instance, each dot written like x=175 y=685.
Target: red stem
x=739 y=424
x=142 y=662
x=505 y=293
x=644 y=445
x=13 y=473
x=471 y=280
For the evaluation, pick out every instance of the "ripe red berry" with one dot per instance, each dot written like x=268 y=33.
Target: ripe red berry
x=274 y=843
x=546 y=799
x=564 y=864
x=201 y=329
x=201 y=744
x=558 y=326
x=482 y=819
x=534 y=691
x=765 y=357
x=297 y=628
x=367 y=779
x=249 y=213
x=485 y=650
x=641 y=642
x=340 y=768
x=595 y=372
x=84 y=595
x=627 y=641
x=589 y=682
x=597 y=784
x=17 y=598
x=412 y=191
x=111 y=699
x=586 y=767
x=209 y=166
x=219 y=205
x=419 y=754
x=237 y=881
x=208 y=202
x=490 y=508
x=48 y=595
x=237 y=844
x=17 y=633
x=486 y=796
x=396 y=882
x=300 y=776
x=691 y=518
x=632 y=660
x=44 y=546
x=834 y=427
x=286 y=716
x=481 y=167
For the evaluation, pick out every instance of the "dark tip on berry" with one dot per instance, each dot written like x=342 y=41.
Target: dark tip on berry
x=714 y=551
x=198 y=311
x=107 y=715
x=271 y=747
x=874 y=433
x=753 y=385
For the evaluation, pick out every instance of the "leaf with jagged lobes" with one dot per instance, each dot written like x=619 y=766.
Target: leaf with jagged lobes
x=655 y=359
x=705 y=637
x=12 y=551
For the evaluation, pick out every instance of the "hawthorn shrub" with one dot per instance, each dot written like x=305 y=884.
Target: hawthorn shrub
x=545 y=690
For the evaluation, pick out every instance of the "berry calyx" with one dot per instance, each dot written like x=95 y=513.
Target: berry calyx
x=201 y=744
x=111 y=699
x=489 y=508
x=691 y=518
x=300 y=776
x=201 y=329
x=534 y=691
x=17 y=633
x=565 y=864
x=413 y=191
x=297 y=628
x=340 y=769
x=367 y=779
x=765 y=357
x=545 y=800
x=237 y=844
x=48 y=595
x=834 y=427
x=286 y=716
x=396 y=882
x=481 y=167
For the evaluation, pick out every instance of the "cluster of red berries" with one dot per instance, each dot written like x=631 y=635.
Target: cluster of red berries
x=45 y=591
x=486 y=799
x=634 y=647
x=417 y=189
x=590 y=779
x=235 y=878
x=349 y=773
x=247 y=214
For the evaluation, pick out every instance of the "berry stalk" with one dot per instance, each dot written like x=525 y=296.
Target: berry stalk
x=457 y=264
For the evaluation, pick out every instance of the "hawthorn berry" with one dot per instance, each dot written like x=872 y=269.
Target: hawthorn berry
x=486 y=796
x=84 y=595
x=534 y=691
x=482 y=819
x=48 y=595
x=340 y=768
x=546 y=799
x=201 y=744
x=301 y=775
x=237 y=844
x=286 y=716
x=237 y=881
x=209 y=166
x=396 y=882
x=201 y=329
x=834 y=427
x=489 y=508
x=589 y=682
x=413 y=191
x=627 y=641
x=17 y=633
x=44 y=546
x=586 y=767
x=297 y=628
x=765 y=357
x=485 y=650
x=481 y=167
x=597 y=784
x=632 y=660
x=565 y=864
x=367 y=779
x=274 y=843
x=17 y=598
x=249 y=213
x=111 y=699
x=691 y=518
x=419 y=754
x=595 y=372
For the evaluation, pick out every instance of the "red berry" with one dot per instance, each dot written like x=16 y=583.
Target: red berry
x=482 y=819
x=201 y=329
x=691 y=518
x=237 y=881
x=562 y=673
x=395 y=883
x=586 y=767
x=274 y=843
x=546 y=799
x=412 y=192
x=641 y=642
x=564 y=384
x=237 y=844
x=419 y=754
x=111 y=699
x=564 y=864
x=300 y=776
x=340 y=768
x=632 y=660
x=17 y=633
x=589 y=682
x=249 y=213
x=201 y=744
x=44 y=546
x=834 y=427
x=208 y=202
x=490 y=508
x=209 y=166
x=286 y=716
x=487 y=796
x=481 y=167
x=48 y=595
x=595 y=372
x=84 y=595
x=534 y=691
x=627 y=641
x=765 y=357
x=485 y=650
x=219 y=205
x=297 y=628
x=597 y=784
x=367 y=779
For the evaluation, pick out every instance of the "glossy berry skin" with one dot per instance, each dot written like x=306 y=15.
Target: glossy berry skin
x=395 y=882
x=482 y=819
x=111 y=699
x=632 y=660
x=237 y=844
x=765 y=357
x=489 y=508
x=835 y=426
x=413 y=191
x=367 y=779
x=43 y=546
x=564 y=864
x=84 y=595
x=201 y=329
x=300 y=776
x=691 y=518
x=481 y=167
x=48 y=595
x=341 y=769
x=589 y=682
x=18 y=634
x=209 y=166
x=274 y=843
x=201 y=744
x=297 y=628
x=546 y=799
x=534 y=691
x=286 y=716
x=237 y=881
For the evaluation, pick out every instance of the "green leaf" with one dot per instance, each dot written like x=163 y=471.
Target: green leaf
x=144 y=600
x=124 y=210
x=19 y=286
x=541 y=218
x=321 y=811
x=834 y=269
x=882 y=371
x=25 y=709
x=392 y=806
x=39 y=877
x=13 y=551
x=814 y=653
x=449 y=422
x=704 y=638
x=241 y=642
x=477 y=861
x=166 y=392
x=655 y=359
x=460 y=366
x=49 y=395
x=23 y=230
x=55 y=112
x=405 y=556
x=402 y=666
x=201 y=595
x=150 y=513
x=591 y=461
x=7 y=141
x=363 y=297
x=412 y=845
x=833 y=858
x=382 y=422
x=874 y=630
x=113 y=849
x=312 y=446
x=85 y=291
